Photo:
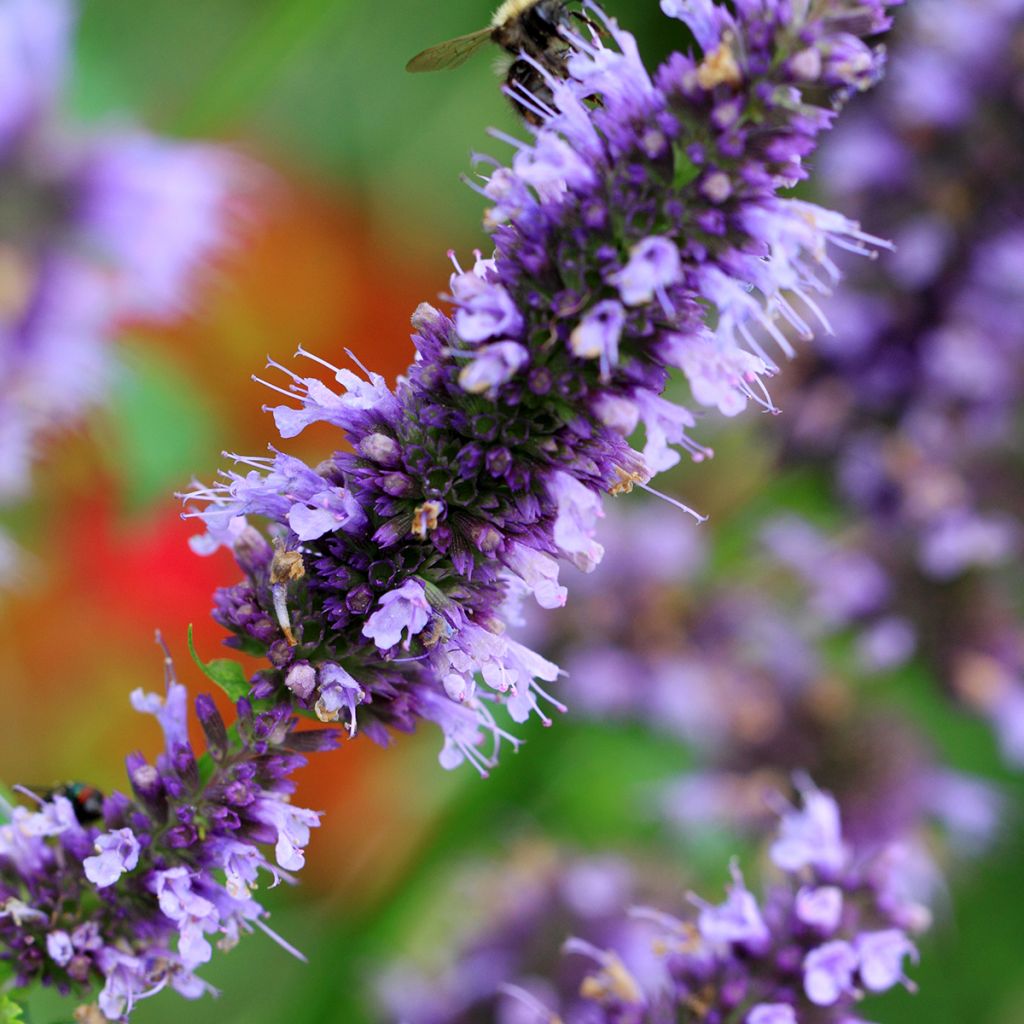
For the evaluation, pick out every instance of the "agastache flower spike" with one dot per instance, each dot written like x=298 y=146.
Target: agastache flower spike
x=914 y=406
x=741 y=668
x=638 y=231
x=752 y=960
x=131 y=905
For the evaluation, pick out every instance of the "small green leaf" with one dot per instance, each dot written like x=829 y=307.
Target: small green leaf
x=6 y=802
x=685 y=169
x=227 y=674
x=11 y=1011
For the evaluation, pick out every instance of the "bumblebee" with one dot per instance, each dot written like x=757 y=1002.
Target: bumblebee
x=523 y=28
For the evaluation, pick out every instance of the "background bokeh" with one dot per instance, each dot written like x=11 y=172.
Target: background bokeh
x=348 y=233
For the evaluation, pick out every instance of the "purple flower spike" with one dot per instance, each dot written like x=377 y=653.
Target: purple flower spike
x=914 y=403
x=175 y=884
x=623 y=250
x=751 y=960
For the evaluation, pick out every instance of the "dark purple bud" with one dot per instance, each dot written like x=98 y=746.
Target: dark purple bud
x=79 y=967
x=540 y=381
x=240 y=793
x=379 y=448
x=253 y=552
x=146 y=784
x=398 y=485
x=262 y=687
x=301 y=679
x=486 y=538
x=184 y=763
x=213 y=726
x=262 y=628
x=224 y=818
x=359 y=600
x=181 y=837
x=518 y=479
x=115 y=809
x=312 y=740
x=498 y=460
x=280 y=652
x=172 y=784
x=469 y=459
x=280 y=766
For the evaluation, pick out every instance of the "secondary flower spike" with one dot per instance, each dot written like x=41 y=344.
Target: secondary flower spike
x=638 y=232
x=825 y=933
x=94 y=228
x=118 y=910
x=915 y=405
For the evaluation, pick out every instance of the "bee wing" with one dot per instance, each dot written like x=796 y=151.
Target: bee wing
x=451 y=54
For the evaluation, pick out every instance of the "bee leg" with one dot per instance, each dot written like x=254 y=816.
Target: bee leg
x=595 y=30
x=523 y=81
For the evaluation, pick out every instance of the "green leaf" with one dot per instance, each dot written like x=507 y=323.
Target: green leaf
x=11 y=1011
x=685 y=169
x=6 y=802
x=227 y=674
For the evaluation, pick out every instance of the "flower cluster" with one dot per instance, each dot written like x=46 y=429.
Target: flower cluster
x=639 y=231
x=512 y=917
x=126 y=896
x=916 y=400
x=834 y=928
x=92 y=230
x=763 y=671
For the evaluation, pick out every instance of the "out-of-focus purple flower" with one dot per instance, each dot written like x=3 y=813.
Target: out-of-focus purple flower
x=829 y=971
x=639 y=231
x=811 y=837
x=749 y=956
x=738 y=920
x=33 y=60
x=772 y=1013
x=154 y=209
x=914 y=404
x=517 y=918
x=745 y=671
x=93 y=230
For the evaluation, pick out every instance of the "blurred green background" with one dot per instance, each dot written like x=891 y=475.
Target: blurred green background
x=364 y=200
